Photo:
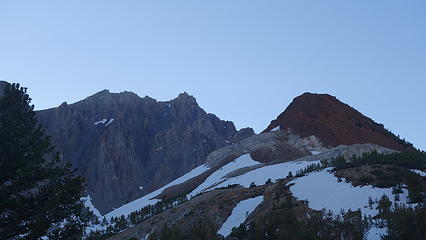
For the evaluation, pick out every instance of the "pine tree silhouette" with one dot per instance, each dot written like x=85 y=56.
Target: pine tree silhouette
x=38 y=196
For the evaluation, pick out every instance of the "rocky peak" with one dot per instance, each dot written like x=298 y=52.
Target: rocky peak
x=185 y=95
x=184 y=100
x=334 y=123
x=106 y=96
x=126 y=146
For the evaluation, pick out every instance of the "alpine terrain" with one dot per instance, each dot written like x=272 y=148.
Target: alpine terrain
x=126 y=146
x=321 y=170
x=169 y=170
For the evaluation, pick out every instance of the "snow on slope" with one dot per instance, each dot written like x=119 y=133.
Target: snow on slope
x=241 y=162
x=421 y=173
x=376 y=233
x=261 y=175
x=239 y=214
x=147 y=199
x=315 y=152
x=88 y=203
x=103 y=121
x=277 y=128
x=322 y=190
x=109 y=122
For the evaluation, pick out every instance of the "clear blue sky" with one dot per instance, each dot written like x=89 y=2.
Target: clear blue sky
x=243 y=60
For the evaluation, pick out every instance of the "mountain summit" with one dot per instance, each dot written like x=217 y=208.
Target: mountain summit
x=334 y=123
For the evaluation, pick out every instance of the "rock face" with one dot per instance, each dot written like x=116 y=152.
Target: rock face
x=243 y=134
x=334 y=123
x=126 y=146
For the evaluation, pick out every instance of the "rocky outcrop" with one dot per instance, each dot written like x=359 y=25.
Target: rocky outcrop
x=126 y=146
x=347 y=152
x=334 y=123
x=271 y=140
x=243 y=134
x=266 y=148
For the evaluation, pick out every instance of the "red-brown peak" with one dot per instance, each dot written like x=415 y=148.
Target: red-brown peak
x=333 y=122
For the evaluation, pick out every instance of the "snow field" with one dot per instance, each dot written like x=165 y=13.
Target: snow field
x=261 y=175
x=241 y=162
x=147 y=199
x=323 y=191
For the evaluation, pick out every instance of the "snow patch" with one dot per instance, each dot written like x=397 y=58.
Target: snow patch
x=376 y=233
x=322 y=190
x=239 y=214
x=241 y=162
x=109 y=122
x=147 y=236
x=140 y=187
x=315 y=152
x=277 y=128
x=421 y=173
x=103 y=121
x=260 y=175
x=88 y=203
x=148 y=199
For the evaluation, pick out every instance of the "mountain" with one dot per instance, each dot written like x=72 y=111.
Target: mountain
x=126 y=146
x=254 y=152
x=217 y=199
x=334 y=123
x=276 y=183
x=169 y=170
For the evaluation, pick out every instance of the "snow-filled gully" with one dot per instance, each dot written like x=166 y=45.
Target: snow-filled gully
x=239 y=214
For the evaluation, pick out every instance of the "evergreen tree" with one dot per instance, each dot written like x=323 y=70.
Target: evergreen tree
x=384 y=205
x=38 y=196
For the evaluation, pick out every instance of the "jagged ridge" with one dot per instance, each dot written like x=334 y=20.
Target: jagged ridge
x=126 y=146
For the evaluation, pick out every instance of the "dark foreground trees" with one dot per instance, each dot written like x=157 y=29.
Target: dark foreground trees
x=38 y=196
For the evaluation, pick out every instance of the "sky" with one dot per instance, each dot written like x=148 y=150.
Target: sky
x=242 y=60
